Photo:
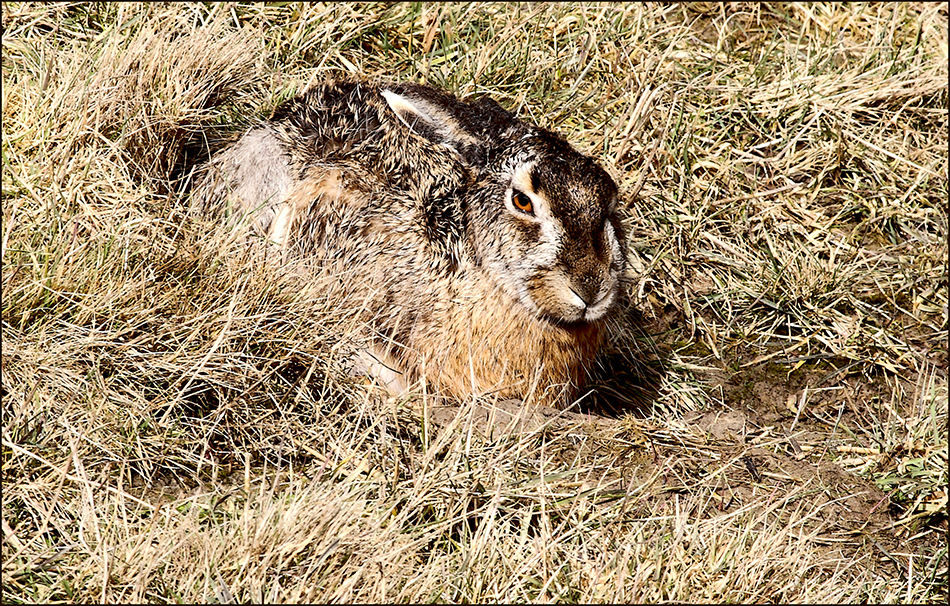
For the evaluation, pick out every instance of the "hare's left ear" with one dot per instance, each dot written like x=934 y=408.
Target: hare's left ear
x=427 y=118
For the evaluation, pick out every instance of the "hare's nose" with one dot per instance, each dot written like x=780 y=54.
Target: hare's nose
x=587 y=286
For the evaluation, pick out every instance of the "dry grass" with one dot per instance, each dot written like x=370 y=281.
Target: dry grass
x=177 y=422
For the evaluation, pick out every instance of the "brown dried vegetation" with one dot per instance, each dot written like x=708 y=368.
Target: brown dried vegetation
x=178 y=423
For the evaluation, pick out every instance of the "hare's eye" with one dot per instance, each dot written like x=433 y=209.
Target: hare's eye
x=522 y=202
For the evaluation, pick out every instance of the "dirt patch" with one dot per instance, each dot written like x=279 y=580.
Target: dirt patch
x=506 y=417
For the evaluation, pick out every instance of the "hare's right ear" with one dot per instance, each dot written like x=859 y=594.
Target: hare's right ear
x=428 y=118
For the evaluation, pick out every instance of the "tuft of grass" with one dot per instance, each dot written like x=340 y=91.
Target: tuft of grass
x=179 y=422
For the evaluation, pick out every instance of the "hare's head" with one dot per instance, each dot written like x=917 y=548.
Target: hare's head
x=541 y=217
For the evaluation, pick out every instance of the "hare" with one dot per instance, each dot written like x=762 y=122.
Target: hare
x=487 y=252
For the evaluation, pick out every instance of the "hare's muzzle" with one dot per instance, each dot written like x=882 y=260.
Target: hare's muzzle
x=593 y=295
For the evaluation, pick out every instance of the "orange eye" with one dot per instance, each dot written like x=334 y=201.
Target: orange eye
x=522 y=202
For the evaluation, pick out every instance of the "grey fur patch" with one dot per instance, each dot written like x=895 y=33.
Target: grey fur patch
x=251 y=179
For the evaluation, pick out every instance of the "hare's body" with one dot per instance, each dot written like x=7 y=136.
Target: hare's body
x=486 y=252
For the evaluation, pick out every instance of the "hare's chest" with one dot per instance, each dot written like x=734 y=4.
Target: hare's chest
x=480 y=341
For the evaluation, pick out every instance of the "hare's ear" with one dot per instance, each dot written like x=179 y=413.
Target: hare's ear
x=427 y=118
x=410 y=111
